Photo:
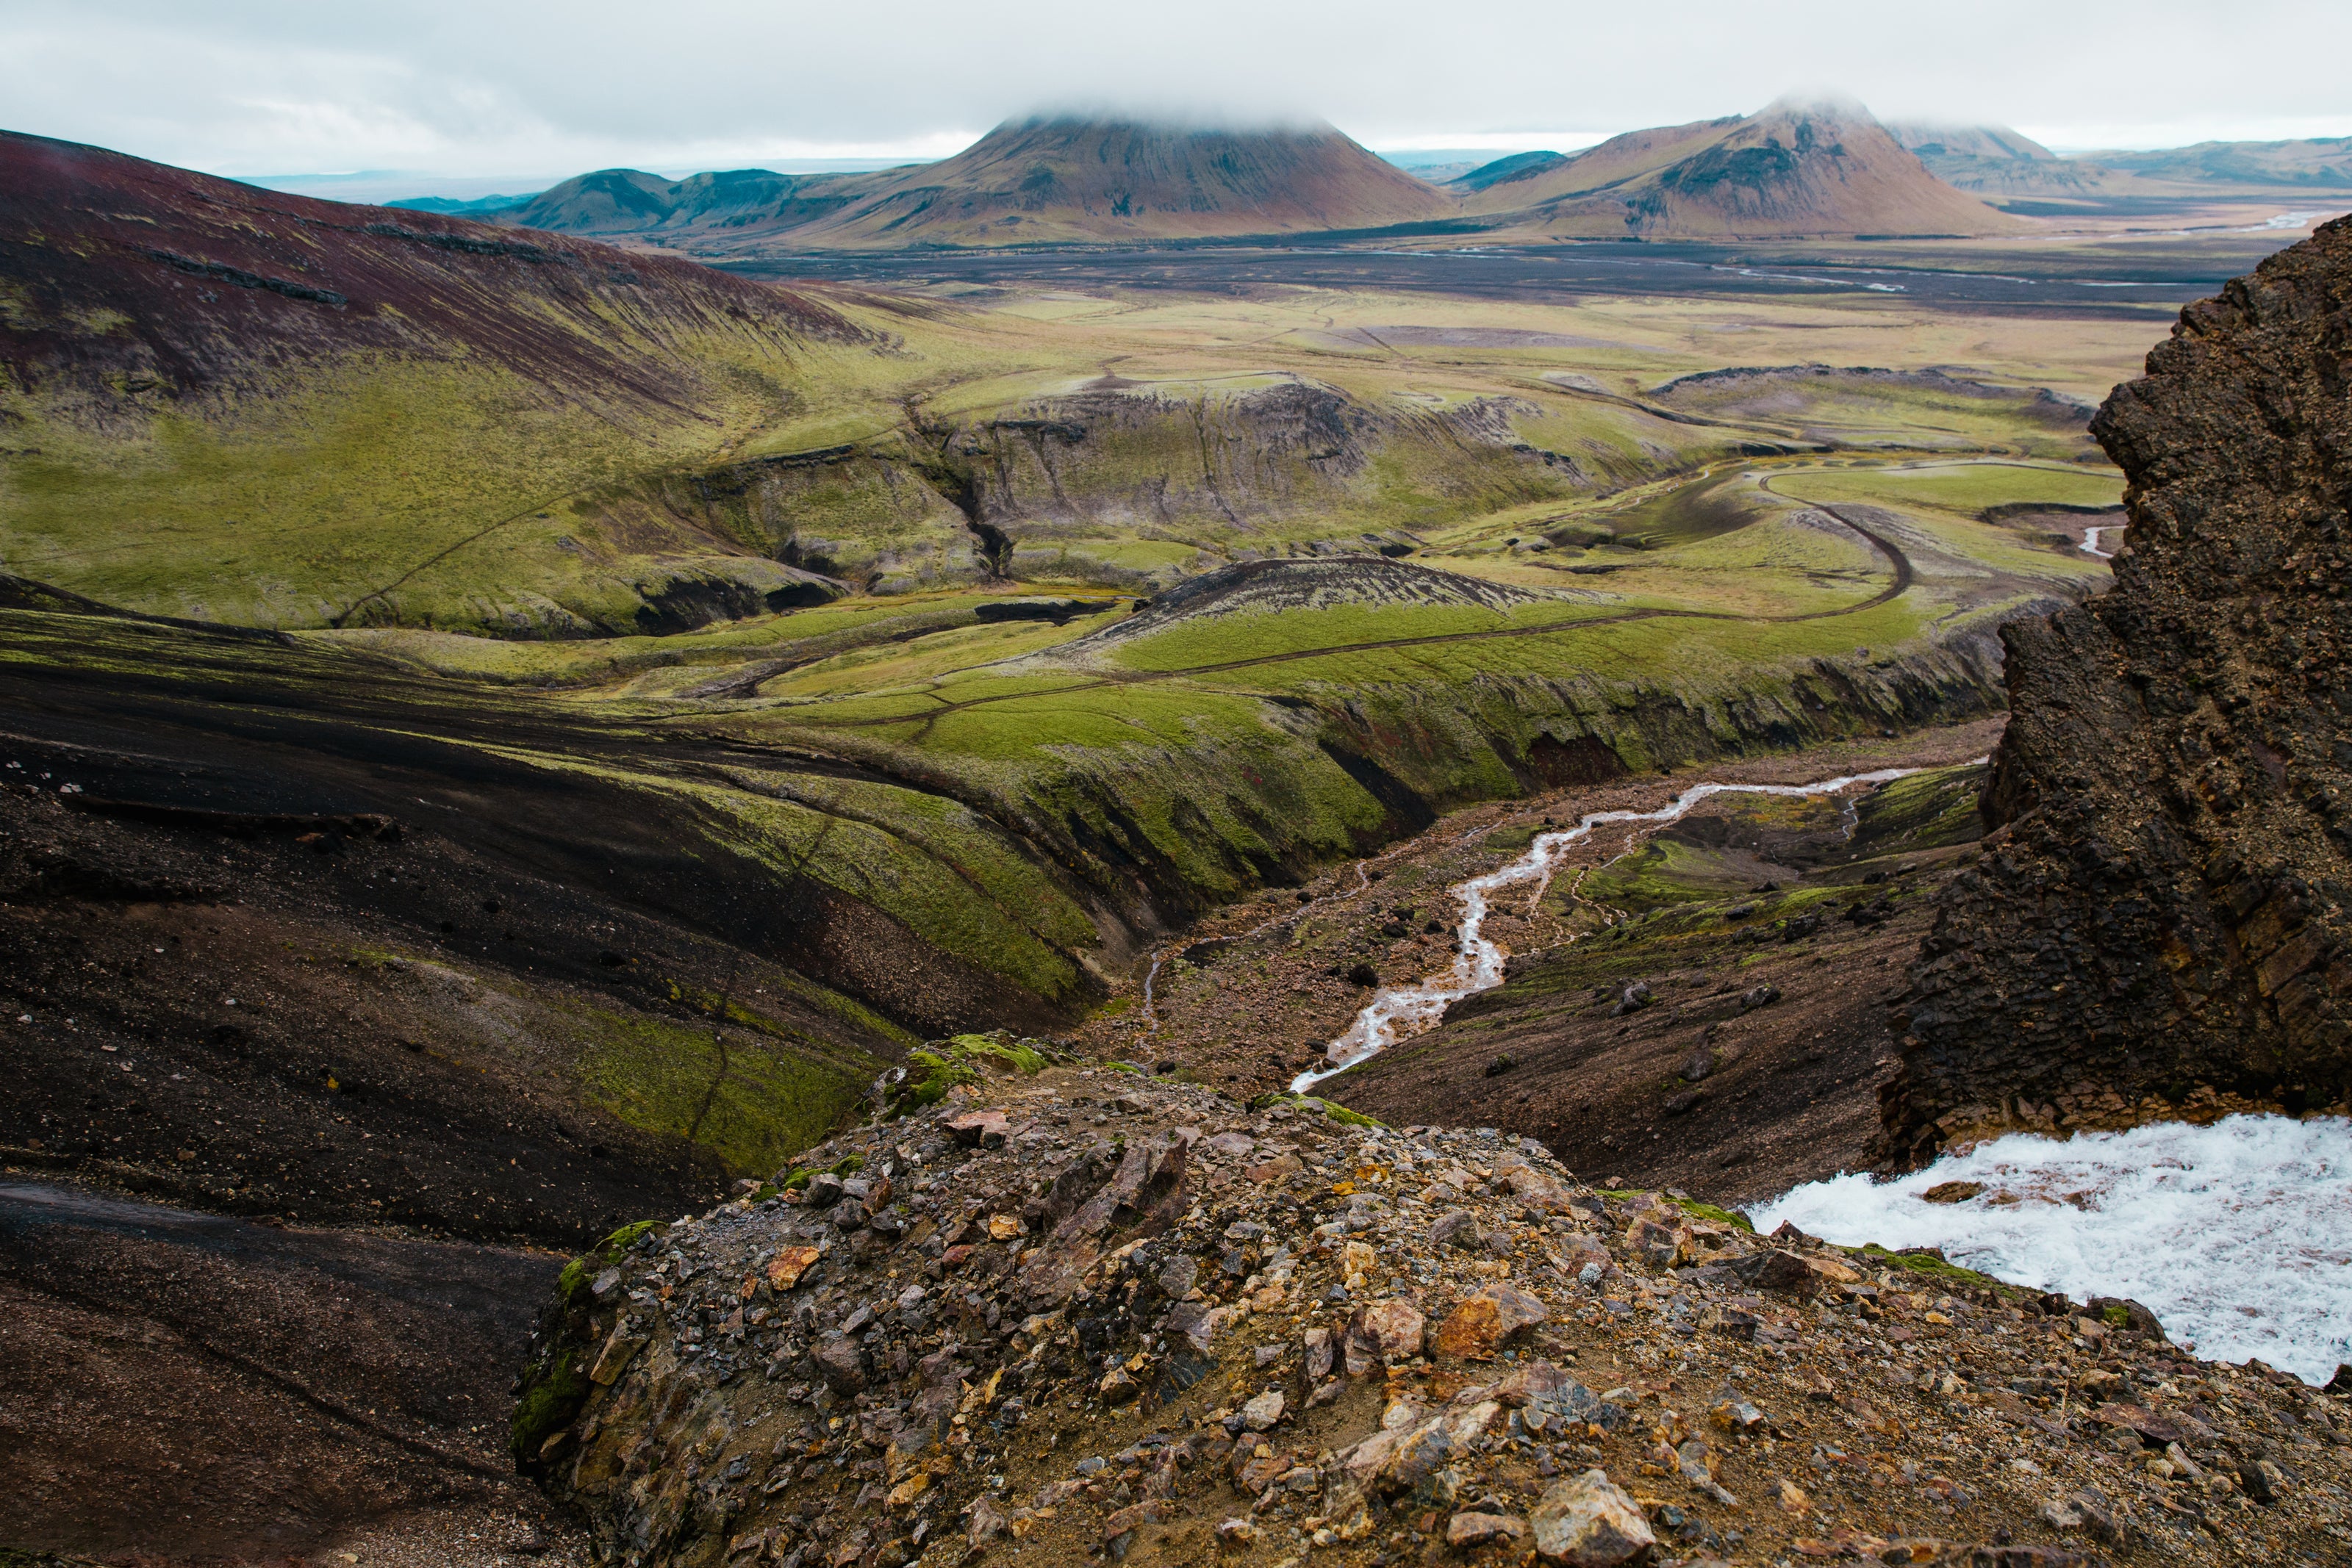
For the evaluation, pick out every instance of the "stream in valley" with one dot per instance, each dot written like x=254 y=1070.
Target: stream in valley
x=2238 y=1235
x=1398 y=1012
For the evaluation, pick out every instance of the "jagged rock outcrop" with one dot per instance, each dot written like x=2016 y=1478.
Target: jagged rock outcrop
x=1086 y=1314
x=2162 y=909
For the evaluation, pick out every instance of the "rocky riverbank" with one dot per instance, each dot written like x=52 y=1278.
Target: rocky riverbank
x=1080 y=1313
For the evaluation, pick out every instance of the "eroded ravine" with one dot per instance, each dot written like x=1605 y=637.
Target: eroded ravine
x=1398 y=1012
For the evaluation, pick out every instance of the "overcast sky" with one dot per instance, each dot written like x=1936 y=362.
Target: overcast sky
x=495 y=90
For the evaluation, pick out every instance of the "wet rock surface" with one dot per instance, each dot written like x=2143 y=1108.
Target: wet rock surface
x=2160 y=922
x=1142 y=1322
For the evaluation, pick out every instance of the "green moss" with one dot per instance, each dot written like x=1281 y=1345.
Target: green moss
x=582 y=1271
x=1708 y=1211
x=936 y=1068
x=797 y=1179
x=1330 y=1108
x=555 y=1381
x=752 y=1104
x=1932 y=1268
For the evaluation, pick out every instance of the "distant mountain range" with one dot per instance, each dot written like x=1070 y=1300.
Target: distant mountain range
x=1796 y=170
x=2003 y=164
x=1799 y=168
x=1051 y=181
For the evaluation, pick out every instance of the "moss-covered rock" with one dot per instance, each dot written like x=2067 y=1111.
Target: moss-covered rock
x=555 y=1381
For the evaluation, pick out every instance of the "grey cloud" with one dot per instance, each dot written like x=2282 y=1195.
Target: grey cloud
x=488 y=90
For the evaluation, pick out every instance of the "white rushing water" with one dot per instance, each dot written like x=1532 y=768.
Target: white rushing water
x=2237 y=1236
x=2090 y=545
x=1397 y=1013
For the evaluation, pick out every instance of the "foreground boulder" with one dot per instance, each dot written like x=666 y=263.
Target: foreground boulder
x=1147 y=1323
x=2161 y=919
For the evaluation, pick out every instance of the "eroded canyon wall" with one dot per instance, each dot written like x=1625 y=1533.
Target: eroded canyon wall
x=2160 y=911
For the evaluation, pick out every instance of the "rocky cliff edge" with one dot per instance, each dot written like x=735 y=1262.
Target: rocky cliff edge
x=1080 y=1315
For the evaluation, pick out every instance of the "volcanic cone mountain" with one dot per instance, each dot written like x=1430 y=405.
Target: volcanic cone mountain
x=1796 y=170
x=1063 y=179
x=2167 y=914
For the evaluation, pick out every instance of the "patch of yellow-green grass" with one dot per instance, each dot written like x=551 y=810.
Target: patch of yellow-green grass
x=887 y=861
x=683 y=659
x=1930 y=810
x=447 y=493
x=1662 y=873
x=1142 y=556
x=1966 y=487
x=888 y=666
x=754 y=1105
x=951 y=905
x=1210 y=639
x=1670 y=650
x=952 y=836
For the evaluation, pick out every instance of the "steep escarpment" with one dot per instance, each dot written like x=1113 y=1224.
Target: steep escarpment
x=2162 y=909
x=1124 y=484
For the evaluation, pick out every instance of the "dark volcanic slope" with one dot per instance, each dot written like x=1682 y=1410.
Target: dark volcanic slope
x=188 y=1388
x=289 y=934
x=114 y=266
x=2168 y=911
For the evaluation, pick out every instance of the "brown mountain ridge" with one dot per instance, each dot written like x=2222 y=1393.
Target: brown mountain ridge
x=1794 y=170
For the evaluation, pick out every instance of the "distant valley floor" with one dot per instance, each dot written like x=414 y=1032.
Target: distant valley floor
x=2123 y=276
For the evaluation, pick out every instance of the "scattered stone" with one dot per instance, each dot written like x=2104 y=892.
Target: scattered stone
x=790 y=1264
x=1383 y=1333
x=1476 y=1328
x=1457 y=1227
x=1470 y=1529
x=1632 y=999
x=1157 y=1327
x=1589 y=1522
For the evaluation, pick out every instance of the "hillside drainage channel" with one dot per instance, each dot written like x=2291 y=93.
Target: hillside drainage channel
x=1399 y=1012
